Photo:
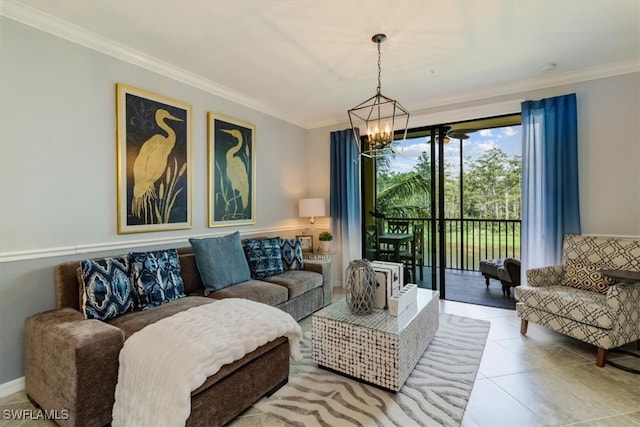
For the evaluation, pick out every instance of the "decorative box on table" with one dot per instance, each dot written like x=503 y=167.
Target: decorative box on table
x=388 y=277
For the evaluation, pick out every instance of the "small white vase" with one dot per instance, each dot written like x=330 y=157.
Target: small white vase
x=326 y=246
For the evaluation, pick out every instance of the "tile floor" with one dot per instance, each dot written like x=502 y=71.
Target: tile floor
x=543 y=379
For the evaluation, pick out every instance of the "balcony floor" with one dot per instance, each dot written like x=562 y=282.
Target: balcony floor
x=470 y=287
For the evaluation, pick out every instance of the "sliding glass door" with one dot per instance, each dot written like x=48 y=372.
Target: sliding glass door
x=408 y=188
x=461 y=197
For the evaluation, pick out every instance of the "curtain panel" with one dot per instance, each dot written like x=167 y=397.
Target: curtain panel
x=550 y=196
x=344 y=200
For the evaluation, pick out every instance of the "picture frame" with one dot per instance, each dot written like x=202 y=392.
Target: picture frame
x=154 y=165
x=232 y=171
x=307 y=243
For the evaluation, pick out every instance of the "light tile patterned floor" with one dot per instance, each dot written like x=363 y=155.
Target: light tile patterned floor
x=543 y=379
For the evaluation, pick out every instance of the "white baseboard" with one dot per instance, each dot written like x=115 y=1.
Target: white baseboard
x=11 y=387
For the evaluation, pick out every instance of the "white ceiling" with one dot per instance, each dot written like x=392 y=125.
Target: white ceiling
x=308 y=62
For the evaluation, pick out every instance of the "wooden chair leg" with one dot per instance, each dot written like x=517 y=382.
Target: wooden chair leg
x=601 y=358
x=523 y=326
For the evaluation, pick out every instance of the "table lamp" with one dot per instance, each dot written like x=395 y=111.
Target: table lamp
x=311 y=208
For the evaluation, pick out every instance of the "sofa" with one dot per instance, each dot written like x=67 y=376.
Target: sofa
x=575 y=298
x=71 y=362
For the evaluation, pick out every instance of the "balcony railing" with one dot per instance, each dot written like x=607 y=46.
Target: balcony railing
x=467 y=241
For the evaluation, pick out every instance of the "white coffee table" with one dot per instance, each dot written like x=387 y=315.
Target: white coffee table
x=377 y=348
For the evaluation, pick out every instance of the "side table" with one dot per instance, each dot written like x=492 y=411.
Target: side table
x=318 y=256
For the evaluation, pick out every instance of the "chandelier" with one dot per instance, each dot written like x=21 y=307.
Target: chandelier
x=377 y=117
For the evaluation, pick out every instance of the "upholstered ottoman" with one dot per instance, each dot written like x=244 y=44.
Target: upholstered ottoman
x=489 y=268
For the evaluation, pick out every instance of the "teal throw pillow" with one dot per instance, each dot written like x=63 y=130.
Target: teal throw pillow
x=264 y=257
x=221 y=261
x=156 y=277
x=106 y=287
x=292 y=258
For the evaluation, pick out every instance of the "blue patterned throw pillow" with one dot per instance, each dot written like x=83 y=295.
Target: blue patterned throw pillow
x=106 y=288
x=264 y=257
x=156 y=277
x=292 y=254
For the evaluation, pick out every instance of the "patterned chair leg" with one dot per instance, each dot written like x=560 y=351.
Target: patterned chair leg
x=523 y=326
x=601 y=358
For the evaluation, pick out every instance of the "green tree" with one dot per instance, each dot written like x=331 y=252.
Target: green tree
x=404 y=194
x=492 y=186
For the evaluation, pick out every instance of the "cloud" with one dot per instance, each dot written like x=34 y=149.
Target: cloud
x=509 y=131
x=407 y=161
x=485 y=132
x=486 y=146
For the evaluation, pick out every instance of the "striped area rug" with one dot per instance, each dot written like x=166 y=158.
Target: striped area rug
x=435 y=394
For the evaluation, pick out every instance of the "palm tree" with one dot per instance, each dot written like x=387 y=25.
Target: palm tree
x=403 y=195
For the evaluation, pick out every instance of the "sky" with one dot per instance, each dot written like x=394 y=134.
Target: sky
x=508 y=139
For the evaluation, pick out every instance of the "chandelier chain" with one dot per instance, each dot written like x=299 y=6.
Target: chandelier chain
x=379 y=70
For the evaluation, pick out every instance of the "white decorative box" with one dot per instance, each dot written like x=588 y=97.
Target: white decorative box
x=388 y=282
x=402 y=299
x=384 y=283
x=398 y=268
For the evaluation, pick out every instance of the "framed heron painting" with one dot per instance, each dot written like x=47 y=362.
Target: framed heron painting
x=154 y=161
x=232 y=171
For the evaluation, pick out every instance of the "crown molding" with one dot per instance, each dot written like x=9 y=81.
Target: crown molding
x=513 y=88
x=34 y=18
x=537 y=83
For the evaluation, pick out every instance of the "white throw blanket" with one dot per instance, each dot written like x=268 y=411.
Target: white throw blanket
x=164 y=362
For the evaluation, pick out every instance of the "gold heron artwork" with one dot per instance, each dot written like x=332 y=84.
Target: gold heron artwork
x=233 y=171
x=153 y=153
x=150 y=165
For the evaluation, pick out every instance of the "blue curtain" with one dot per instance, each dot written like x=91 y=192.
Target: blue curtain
x=344 y=201
x=550 y=199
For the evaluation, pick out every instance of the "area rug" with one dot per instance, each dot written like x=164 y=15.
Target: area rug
x=435 y=394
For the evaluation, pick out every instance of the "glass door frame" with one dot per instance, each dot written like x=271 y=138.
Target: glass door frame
x=437 y=246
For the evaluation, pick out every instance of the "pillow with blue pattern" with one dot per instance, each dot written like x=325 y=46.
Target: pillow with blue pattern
x=264 y=257
x=106 y=287
x=292 y=258
x=156 y=277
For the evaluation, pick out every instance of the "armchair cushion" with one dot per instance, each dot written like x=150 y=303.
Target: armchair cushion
x=586 y=276
x=581 y=305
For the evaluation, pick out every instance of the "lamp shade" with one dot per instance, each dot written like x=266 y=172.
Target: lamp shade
x=311 y=207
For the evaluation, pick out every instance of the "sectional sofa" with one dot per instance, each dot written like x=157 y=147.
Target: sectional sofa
x=71 y=361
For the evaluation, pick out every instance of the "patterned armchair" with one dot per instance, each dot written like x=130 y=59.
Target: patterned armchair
x=576 y=300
